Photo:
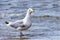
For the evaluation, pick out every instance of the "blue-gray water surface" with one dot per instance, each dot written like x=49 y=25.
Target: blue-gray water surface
x=45 y=19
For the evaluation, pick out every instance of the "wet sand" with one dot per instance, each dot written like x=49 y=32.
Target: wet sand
x=17 y=39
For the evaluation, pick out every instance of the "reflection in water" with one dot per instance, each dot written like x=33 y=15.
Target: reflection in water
x=18 y=39
x=24 y=39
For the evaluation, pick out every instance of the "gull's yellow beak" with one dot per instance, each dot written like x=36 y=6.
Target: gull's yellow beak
x=33 y=10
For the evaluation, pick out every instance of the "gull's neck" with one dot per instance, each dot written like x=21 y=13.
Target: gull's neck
x=28 y=15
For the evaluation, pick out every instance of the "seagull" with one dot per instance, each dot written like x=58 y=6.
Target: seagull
x=22 y=24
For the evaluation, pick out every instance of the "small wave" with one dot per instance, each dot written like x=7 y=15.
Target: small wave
x=6 y=15
x=47 y=16
x=2 y=38
x=10 y=15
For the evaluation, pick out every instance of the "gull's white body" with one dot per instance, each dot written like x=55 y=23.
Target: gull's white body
x=18 y=25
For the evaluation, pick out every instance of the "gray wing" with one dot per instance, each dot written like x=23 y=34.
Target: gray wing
x=17 y=24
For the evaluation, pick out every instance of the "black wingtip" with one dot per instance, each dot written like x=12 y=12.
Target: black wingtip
x=6 y=22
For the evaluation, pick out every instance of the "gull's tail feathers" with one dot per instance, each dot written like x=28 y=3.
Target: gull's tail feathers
x=8 y=23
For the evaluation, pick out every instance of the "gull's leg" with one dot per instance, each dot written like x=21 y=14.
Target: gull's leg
x=21 y=34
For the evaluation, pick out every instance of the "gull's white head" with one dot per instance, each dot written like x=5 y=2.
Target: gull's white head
x=30 y=10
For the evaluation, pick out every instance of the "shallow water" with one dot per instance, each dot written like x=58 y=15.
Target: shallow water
x=45 y=20
x=47 y=7
x=42 y=28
